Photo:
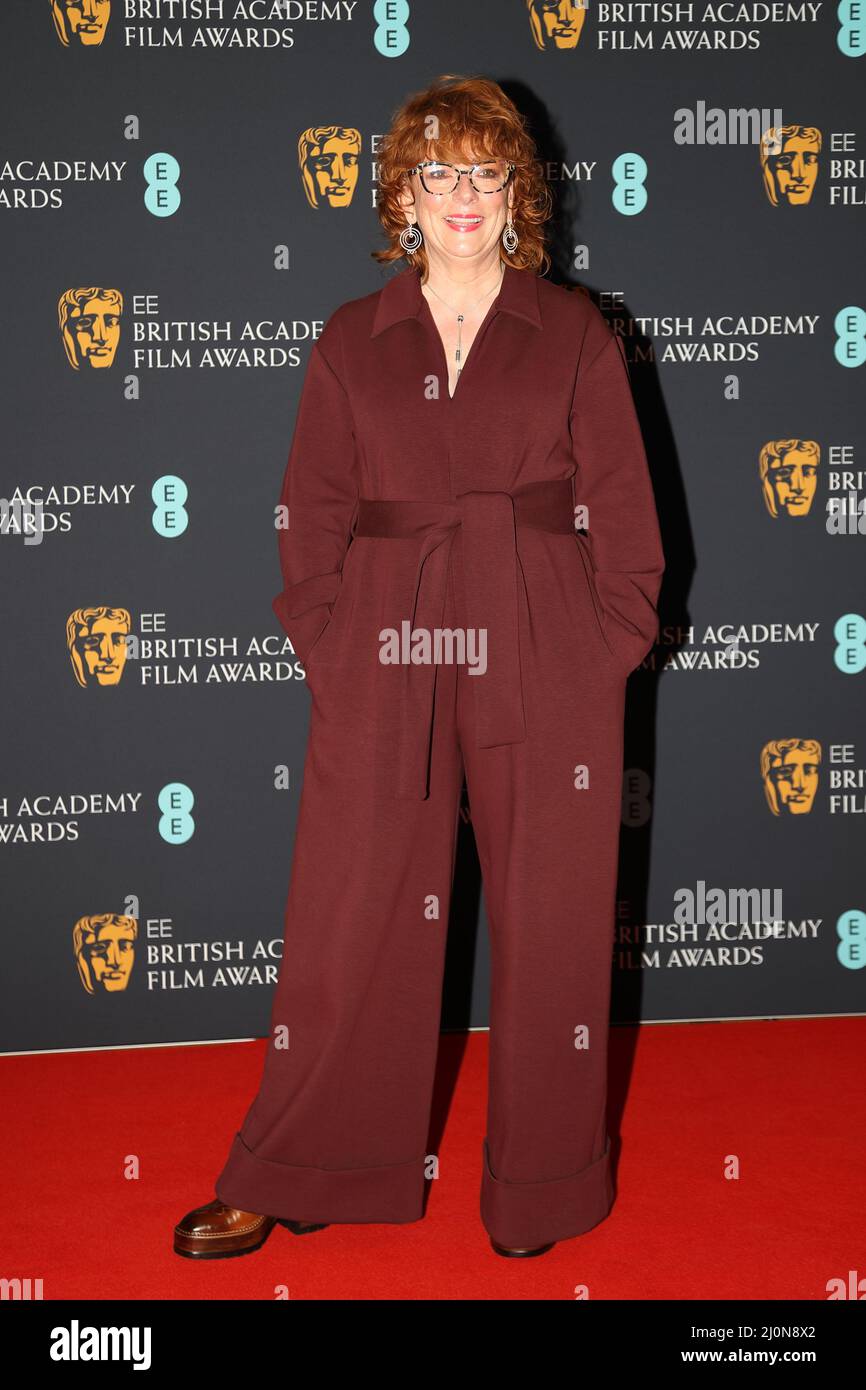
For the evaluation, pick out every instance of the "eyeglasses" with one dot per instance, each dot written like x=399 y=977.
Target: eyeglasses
x=444 y=178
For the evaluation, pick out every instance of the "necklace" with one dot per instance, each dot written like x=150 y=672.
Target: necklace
x=458 y=354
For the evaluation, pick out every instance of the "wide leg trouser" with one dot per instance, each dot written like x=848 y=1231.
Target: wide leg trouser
x=338 y=1130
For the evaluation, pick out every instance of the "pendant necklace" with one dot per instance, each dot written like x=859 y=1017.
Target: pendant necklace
x=458 y=354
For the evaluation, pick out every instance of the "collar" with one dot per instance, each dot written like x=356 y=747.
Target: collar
x=401 y=297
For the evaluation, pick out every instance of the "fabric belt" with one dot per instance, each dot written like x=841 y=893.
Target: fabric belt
x=488 y=522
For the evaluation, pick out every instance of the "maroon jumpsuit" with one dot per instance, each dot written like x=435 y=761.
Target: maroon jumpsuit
x=407 y=504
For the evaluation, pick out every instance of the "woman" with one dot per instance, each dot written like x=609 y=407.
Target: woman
x=455 y=427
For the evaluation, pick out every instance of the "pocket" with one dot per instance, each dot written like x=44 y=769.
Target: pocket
x=314 y=649
x=322 y=648
x=589 y=581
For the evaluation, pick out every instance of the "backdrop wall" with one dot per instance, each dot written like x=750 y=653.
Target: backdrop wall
x=187 y=192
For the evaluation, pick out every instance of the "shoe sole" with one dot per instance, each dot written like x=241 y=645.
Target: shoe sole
x=246 y=1249
x=521 y=1254
x=219 y=1254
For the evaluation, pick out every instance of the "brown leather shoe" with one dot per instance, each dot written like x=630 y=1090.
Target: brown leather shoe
x=215 y=1231
x=519 y=1251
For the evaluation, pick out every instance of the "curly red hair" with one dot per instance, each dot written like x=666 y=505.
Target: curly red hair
x=471 y=114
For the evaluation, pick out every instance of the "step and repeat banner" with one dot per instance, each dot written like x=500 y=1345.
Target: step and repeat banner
x=187 y=192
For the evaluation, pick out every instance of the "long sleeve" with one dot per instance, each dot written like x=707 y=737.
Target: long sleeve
x=613 y=482
x=320 y=491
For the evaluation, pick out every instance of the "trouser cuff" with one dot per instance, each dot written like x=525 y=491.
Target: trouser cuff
x=526 y=1214
x=391 y=1192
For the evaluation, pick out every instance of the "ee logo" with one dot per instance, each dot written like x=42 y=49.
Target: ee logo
x=850 y=653
x=629 y=173
x=176 y=825
x=850 y=346
x=851 y=931
x=170 y=517
x=161 y=173
x=391 y=36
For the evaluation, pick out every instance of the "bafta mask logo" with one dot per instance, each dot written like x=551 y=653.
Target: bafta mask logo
x=90 y=326
x=81 y=23
x=789 y=476
x=329 y=157
x=96 y=639
x=104 y=949
x=789 y=163
x=556 y=23
x=789 y=768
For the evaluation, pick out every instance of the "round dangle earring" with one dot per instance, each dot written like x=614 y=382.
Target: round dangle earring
x=510 y=238
x=410 y=237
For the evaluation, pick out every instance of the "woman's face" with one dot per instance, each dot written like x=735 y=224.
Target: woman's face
x=460 y=226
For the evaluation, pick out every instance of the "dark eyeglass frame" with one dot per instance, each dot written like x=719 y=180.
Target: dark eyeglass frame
x=443 y=164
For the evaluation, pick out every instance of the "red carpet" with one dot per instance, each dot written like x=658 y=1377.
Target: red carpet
x=786 y=1098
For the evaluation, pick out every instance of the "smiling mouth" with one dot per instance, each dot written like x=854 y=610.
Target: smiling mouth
x=464 y=222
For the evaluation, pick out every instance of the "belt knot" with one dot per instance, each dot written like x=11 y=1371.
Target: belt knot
x=488 y=520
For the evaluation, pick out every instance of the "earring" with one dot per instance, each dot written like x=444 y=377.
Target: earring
x=410 y=237
x=510 y=238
